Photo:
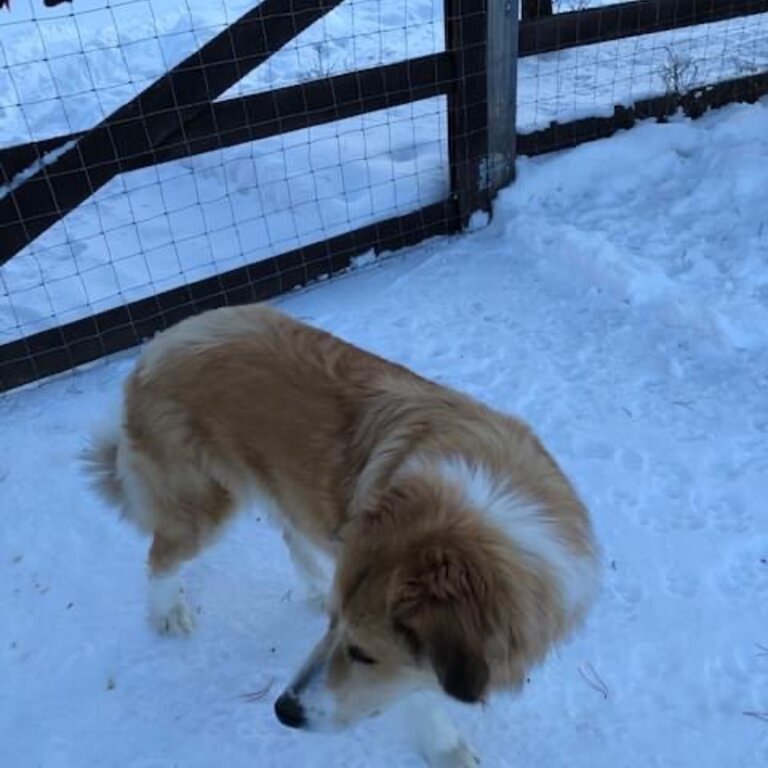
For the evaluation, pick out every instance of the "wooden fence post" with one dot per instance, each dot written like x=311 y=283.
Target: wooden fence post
x=502 y=91
x=481 y=37
x=466 y=34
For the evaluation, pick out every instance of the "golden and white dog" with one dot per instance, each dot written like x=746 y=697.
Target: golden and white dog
x=461 y=551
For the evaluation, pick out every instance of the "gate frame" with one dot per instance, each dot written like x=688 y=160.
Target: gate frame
x=177 y=116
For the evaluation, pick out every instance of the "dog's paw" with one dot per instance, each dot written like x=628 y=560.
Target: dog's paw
x=461 y=756
x=175 y=621
x=168 y=612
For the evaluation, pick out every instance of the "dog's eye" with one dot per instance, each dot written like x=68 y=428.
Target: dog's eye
x=357 y=654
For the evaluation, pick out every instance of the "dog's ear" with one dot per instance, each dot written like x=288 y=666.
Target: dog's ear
x=437 y=606
x=460 y=667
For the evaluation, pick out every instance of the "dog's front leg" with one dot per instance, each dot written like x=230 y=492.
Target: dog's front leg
x=306 y=560
x=436 y=736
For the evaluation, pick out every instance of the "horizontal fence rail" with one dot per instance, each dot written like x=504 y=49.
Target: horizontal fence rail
x=222 y=124
x=630 y=19
x=114 y=330
x=693 y=104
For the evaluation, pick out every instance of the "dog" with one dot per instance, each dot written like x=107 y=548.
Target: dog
x=461 y=553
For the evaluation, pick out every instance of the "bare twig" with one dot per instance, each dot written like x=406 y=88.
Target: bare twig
x=762 y=649
x=679 y=72
x=260 y=695
x=757 y=715
x=593 y=680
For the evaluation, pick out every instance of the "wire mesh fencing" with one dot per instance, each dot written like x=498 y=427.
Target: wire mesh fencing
x=155 y=163
x=595 y=67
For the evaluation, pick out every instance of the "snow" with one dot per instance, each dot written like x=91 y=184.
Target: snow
x=624 y=313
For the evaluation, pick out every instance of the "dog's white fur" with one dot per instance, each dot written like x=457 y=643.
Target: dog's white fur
x=167 y=610
x=530 y=526
x=461 y=553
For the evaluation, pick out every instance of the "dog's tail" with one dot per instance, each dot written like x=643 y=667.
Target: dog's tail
x=99 y=460
x=107 y=461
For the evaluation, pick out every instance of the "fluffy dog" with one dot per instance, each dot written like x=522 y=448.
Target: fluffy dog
x=461 y=552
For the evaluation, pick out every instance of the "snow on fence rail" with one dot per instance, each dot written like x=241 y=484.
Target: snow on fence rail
x=212 y=186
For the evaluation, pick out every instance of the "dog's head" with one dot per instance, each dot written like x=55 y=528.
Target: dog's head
x=415 y=606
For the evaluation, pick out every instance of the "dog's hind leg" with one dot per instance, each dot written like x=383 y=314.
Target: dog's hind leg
x=181 y=533
x=168 y=612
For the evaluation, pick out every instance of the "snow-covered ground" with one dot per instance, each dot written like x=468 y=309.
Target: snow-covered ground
x=625 y=315
x=64 y=69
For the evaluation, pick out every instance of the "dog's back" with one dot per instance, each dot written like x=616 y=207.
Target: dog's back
x=245 y=400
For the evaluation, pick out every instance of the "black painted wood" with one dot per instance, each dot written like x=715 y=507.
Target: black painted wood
x=630 y=19
x=59 y=349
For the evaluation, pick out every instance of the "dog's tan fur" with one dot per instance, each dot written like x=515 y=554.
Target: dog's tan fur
x=353 y=450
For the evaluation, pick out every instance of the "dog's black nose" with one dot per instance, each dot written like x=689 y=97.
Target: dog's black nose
x=289 y=711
